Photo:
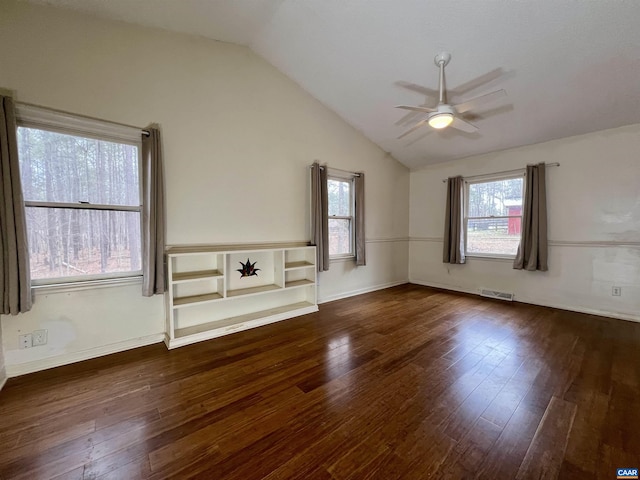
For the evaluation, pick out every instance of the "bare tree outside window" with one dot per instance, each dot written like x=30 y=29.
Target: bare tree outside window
x=494 y=217
x=340 y=193
x=82 y=199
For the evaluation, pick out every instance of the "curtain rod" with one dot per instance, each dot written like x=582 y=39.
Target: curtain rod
x=339 y=170
x=555 y=164
x=142 y=131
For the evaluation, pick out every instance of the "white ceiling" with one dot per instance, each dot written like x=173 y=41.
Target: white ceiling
x=569 y=66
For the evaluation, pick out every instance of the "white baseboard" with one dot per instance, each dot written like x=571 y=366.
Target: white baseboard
x=66 y=359
x=3 y=378
x=530 y=301
x=581 y=309
x=360 y=291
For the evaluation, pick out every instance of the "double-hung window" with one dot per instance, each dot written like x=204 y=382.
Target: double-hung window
x=81 y=186
x=341 y=216
x=493 y=216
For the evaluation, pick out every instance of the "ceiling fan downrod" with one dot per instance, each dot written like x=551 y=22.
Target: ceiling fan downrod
x=441 y=60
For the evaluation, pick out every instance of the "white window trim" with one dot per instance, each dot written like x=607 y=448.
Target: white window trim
x=31 y=116
x=346 y=177
x=78 y=280
x=465 y=219
x=62 y=287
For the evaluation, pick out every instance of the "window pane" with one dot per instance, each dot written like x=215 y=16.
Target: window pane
x=55 y=167
x=339 y=236
x=66 y=242
x=339 y=197
x=494 y=235
x=503 y=197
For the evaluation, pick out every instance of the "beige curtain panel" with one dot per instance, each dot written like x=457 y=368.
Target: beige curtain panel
x=320 y=215
x=453 y=250
x=15 y=281
x=153 y=214
x=533 y=250
x=361 y=256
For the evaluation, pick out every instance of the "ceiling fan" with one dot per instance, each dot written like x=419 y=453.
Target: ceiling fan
x=445 y=114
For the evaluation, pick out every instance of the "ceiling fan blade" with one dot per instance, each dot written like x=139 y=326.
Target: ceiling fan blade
x=414 y=128
x=417 y=109
x=476 y=102
x=419 y=89
x=410 y=117
x=418 y=137
x=487 y=112
x=463 y=125
x=477 y=82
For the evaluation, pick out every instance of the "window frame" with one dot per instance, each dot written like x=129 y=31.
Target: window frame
x=348 y=178
x=29 y=116
x=465 y=217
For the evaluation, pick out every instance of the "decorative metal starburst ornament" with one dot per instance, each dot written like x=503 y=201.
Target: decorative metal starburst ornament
x=248 y=269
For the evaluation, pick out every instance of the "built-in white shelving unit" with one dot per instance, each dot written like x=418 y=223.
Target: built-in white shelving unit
x=207 y=297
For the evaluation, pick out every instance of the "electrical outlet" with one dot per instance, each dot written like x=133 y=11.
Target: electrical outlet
x=616 y=291
x=39 y=337
x=26 y=341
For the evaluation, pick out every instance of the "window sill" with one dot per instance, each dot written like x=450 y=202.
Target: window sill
x=493 y=258
x=47 y=289
x=344 y=258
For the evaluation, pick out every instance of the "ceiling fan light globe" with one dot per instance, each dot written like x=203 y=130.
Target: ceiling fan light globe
x=440 y=120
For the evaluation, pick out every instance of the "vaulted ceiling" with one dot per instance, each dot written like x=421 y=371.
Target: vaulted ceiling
x=569 y=67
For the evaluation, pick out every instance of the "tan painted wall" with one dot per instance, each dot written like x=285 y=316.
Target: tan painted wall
x=238 y=138
x=593 y=203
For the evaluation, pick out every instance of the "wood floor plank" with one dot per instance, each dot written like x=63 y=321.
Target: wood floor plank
x=424 y=451
x=466 y=457
x=409 y=383
x=462 y=420
x=546 y=452
x=75 y=474
x=585 y=436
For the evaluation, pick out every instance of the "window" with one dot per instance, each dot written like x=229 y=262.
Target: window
x=82 y=200
x=341 y=208
x=493 y=217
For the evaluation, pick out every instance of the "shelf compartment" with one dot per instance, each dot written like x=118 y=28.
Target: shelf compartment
x=306 y=255
x=252 y=290
x=195 y=299
x=297 y=265
x=302 y=275
x=265 y=275
x=298 y=283
x=238 y=323
x=197 y=275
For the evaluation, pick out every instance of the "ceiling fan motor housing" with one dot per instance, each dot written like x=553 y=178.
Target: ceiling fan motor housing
x=442 y=117
x=443 y=108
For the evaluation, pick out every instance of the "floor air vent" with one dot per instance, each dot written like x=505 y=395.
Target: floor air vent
x=496 y=294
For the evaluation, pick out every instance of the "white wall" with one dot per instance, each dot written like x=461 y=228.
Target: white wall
x=82 y=324
x=3 y=372
x=238 y=137
x=594 y=225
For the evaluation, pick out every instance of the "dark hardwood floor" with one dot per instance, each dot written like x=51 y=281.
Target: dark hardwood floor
x=404 y=383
